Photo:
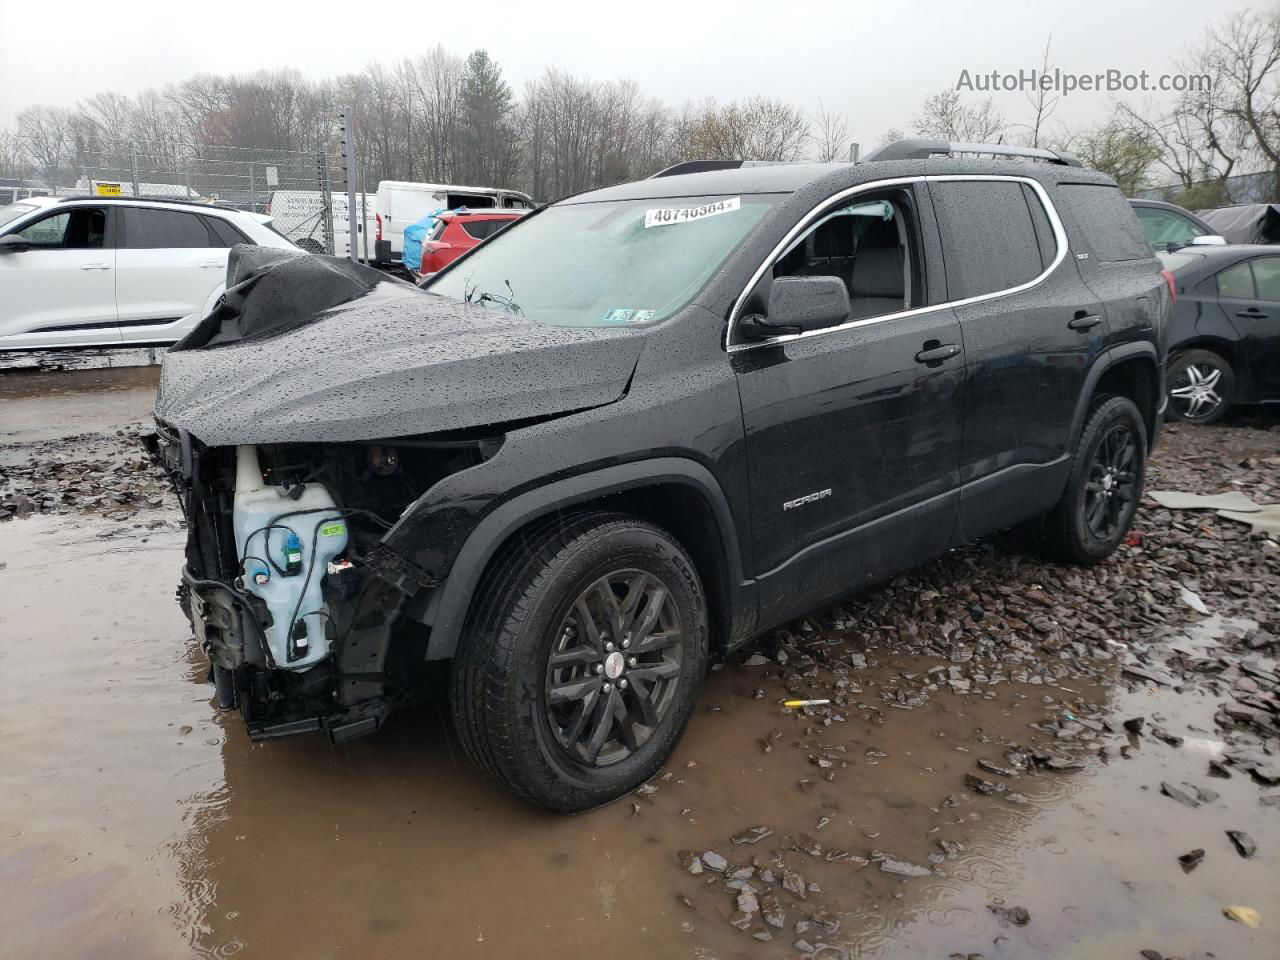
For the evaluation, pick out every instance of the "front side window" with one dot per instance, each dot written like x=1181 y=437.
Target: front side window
x=990 y=239
x=1165 y=229
x=605 y=263
x=79 y=229
x=149 y=229
x=866 y=243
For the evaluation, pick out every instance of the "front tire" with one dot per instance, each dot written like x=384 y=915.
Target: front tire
x=1200 y=386
x=1104 y=486
x=580 y=665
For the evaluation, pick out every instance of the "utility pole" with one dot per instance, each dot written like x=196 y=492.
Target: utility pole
x=349 y=175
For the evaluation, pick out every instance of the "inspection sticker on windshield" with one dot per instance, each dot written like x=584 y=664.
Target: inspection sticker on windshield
x=668 y=215
x=624 y=315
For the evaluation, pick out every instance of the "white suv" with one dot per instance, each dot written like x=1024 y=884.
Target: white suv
x=102 y=272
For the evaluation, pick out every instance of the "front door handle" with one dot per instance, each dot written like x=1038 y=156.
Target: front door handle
x=95 y=266
x=1084 y=321
x=1253 y=313
x=934 y=353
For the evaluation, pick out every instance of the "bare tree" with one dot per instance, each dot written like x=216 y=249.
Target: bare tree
x=946 y=116
x=1043 y=102
x=830 y=135
x=755 y=129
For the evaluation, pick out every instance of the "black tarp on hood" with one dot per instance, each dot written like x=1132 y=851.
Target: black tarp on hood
x=303 y=352
x=1245 y=222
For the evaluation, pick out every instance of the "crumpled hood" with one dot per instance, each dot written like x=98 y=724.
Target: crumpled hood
x=393 y=362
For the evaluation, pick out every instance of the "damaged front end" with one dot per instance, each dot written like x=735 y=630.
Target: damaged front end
x=308 y=413
x=289 y=588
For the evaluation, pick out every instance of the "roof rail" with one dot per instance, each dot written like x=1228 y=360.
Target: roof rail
x=122 y=198
x=924 y=149
x=705 y=166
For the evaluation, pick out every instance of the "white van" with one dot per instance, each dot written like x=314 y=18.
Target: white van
x=298 y=215
x=402 y=204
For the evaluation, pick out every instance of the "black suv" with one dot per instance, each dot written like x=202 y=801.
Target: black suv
x=642 y=426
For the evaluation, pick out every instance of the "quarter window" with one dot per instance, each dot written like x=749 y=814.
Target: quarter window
x=1107 y=226
x=868 y=244
x=79 y=229
x=989 y=236
x=1236 y=282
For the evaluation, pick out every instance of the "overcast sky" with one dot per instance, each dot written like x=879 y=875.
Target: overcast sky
x=872 y=59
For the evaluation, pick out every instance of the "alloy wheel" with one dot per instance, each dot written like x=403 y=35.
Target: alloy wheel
x=1109 y=498
x=614 y=668
x=1195 y=390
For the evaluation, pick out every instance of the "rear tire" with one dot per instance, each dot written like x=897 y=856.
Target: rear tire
x=592 y=724
x=1201 y=384
x=1104 y=486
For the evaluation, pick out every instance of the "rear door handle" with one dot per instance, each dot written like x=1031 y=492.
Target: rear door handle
x=937 y=352
x=1253 y=313
x=211 y=263
x=95 y=266
x=1084 y=321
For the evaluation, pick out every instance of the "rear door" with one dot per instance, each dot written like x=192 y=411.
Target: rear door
x=853 y=433
x=1031 y=329
x=168 y=265
x=61 y=290
x=1249 y=295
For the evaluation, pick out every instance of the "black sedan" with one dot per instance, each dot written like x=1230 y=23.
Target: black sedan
x=1224 y=338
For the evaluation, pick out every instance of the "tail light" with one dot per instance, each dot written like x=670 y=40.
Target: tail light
x=1173 y=285
x=266 y=208
x=378 y=219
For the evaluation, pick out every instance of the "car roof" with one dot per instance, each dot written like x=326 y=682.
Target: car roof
x=795 y=177
x=481 y=214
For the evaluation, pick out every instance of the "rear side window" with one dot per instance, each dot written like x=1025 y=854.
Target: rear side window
x=483 y=229
x=1266 y=278
x=1107 y=224
x=1257 y=279
x=148 y=229
x=989 y=239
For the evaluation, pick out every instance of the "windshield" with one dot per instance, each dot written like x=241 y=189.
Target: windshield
x=604 y=264
x=13 y=211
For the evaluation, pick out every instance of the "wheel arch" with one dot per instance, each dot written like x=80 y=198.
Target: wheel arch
x=1132 y=370
x=680 y=495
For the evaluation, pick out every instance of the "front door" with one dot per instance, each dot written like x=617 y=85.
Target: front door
x=852 y=433
x=61 y=288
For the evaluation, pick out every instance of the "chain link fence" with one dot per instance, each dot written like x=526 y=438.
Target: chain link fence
x=303 y=190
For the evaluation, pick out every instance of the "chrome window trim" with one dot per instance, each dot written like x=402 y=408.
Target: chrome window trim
x=805 y=223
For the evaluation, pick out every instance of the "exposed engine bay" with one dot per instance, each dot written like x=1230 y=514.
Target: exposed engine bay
x=288 y=587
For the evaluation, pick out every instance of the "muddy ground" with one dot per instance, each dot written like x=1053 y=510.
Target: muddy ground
x=1015 y=756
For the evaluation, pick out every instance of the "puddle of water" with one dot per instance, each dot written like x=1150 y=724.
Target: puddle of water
x=48 y=405
x=135 y=822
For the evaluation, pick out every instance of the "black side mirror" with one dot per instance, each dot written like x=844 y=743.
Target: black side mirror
x=14 y=244
x=800 y=304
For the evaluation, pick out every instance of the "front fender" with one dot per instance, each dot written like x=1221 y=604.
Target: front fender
x=446 y=607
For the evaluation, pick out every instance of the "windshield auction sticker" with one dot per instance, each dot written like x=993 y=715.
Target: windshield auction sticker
x=668 y=215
